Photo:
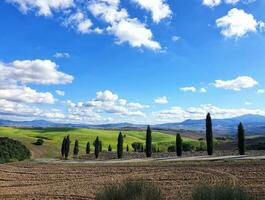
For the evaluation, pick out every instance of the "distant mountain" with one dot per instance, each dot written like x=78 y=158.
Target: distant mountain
x=254 y=124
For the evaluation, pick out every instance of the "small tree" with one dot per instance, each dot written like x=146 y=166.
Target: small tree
x=209 y=135
x=109 y=148
x=67 y=147
x=241 y=139
x=127 y=148
x=96 y=145
x=88 y=148
x=120 y=145
x=76 y=148
x=63 y=147
x=148 y=142
x=179 y=145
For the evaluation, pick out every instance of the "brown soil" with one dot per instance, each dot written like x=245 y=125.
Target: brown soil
x=29 y=180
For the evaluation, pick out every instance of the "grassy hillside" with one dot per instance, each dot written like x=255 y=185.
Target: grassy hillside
x=53 y=137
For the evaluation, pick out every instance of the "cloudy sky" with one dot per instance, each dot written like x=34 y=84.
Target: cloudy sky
x=140 y=61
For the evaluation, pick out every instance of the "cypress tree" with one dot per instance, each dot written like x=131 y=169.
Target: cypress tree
x=109 y=148
x=120 y=146
x=88 y=148
x=209 y=135
x=67 y=147
x=97 y=147
x=63 y=147
x=148 y=142
x=100 y=146
x=179 y=145
x=76 y=148
x=241 y=139
x=127 y=148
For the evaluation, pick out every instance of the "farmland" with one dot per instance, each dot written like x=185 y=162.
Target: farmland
x=30 y=180
x=53 y=137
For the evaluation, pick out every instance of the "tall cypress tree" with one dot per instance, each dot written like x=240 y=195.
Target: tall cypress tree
x=67 y=147
x=120 y=145
x=97 y=147
x=63 y=147
x=209 y=134
x=179 y=145
x=88 y=148
x=76 y=148
x=241 y=139
x=148 y=142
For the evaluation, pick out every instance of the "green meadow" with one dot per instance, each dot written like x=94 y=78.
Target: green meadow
x=53 y=137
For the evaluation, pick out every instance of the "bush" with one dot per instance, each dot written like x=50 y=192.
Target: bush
x=130 y=190
x=137 y=146
x=221 y=192
x=171 y=148
x=39 y=141
x=12 y=150
x=187 y=147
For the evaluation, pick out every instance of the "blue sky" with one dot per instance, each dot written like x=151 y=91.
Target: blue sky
x=140 y=61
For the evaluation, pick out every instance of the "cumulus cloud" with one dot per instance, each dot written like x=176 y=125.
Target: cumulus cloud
x=176 y=114
x=158 y=8
x=211 y=3
x=34 y=71
x=241 y=82
x=260 y=91
x=214 y=3
x=188 y=89
x=203 y=90
x=43 y=7
x=161 y=100
x=237 y=23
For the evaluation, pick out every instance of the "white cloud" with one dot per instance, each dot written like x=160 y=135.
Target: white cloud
x=188 y=89
x=260 y=91
x=107 y=96
x=34 y=71
x=60 y=93
x=176 y=114
x=248 y=103
x=61 y=55
x=25 y=94
x=211 y=3
x=241 y=82
x=43 y=7
x=237 y=23
x=175 y=38
x=124 y=28
x=161 y=100
x=203 y=90
x=159 y=8
x=232 y=1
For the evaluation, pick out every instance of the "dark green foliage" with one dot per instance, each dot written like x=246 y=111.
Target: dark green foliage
x=97 y=147
x=148 y=142
x=130 y=190
x=201 y=147
x=154 y=148
x=178 y=145
x=258 y=146
x=67 y=147
x=63 y=147
x=109 y=148
x=137 y=146
x=39 y=142
x=100 y=146
x=241 y=139
x=76 y=148
x=171 y=148
x=209 y=134
x=221 y=192
x=88 y=148
x=127 y=148
x=187 y=147
x=12 y=150
x=120 y=145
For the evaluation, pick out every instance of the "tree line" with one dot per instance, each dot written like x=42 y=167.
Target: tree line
x=65 y=148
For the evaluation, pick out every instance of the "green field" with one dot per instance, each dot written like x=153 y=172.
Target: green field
x=53 y=138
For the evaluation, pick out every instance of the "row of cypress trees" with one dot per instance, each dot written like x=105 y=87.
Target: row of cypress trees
x=209 y=136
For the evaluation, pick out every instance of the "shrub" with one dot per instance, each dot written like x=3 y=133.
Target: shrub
x=130 y=190
x=39 y=141
x=76 y=148
x=12 y=150
x=88 y=148
x=137 y=146
x=171 y=148
x=109 y=148
x=187 y=147
x=221 y=192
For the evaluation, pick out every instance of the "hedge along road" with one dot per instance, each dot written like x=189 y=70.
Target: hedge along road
x=164 y=159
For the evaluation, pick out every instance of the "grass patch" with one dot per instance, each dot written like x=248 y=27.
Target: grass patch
x=221 y=192
x=130 y=190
